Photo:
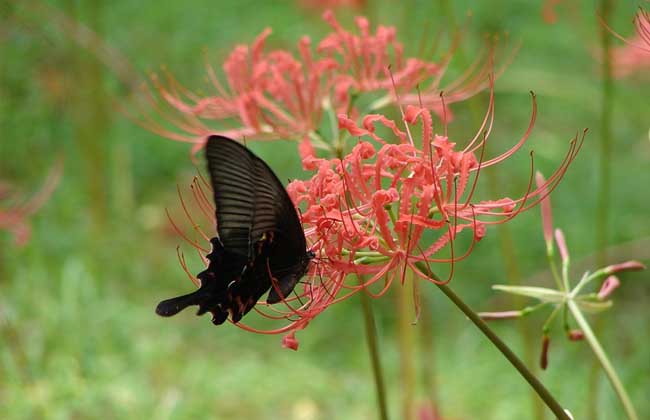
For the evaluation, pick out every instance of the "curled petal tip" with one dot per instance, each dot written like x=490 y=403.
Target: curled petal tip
x=289 y=341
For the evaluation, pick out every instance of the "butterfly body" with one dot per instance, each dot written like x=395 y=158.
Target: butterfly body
x=260 y=245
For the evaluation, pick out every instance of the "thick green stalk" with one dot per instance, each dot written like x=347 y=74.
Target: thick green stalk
x=90 y=112
x=406 y=344
x=541 y=390
x=373 y=348
x=602 y=215
x=604 y=171
x=600 y=354
x=427 y=349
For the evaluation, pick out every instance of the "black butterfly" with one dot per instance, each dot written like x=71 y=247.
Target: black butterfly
x=260 y=243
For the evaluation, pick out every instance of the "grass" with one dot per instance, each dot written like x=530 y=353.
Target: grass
x=79 y=338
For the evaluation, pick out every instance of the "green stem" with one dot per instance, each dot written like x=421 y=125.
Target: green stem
x=427 y=344
x=506 y=245
x=406 y=344
x=604 y=171
x=373 y=347
x=541 y=390
x=603 y=359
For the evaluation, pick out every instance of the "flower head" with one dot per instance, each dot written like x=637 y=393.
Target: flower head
x=271 y=94
x=14 y=210
x=267 y=95
x=634 y=56
x=397 y=199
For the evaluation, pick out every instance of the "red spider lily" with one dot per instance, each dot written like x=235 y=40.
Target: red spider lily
x=389 y=204
x=635 y=55
x=393 y=201
x=376 y=63
x=277 y=94
x=14 y=210
x=364 y=61
x=268 y=95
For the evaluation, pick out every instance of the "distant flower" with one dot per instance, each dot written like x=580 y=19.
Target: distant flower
x=635 y=55
x=15 y=210
x=558 y=298
x=278 y=94
x=397 y=199
x=549 y=13
x=332 y=4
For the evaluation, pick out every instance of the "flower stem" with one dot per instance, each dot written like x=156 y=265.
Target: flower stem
x=406 y=344
x=605 y=10
x=603 y=359
x=427 y=352
x=373 y=347
x=541 y=390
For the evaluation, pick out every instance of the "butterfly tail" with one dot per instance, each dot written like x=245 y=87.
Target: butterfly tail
x=205 y=299
x=171 y=307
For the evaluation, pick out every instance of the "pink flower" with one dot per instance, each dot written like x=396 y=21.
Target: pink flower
x=402 y=198
x=268 y=95
x=396 y=199
x=277 y=94
x=366 y=61
x=635 y=55
x=14 y=210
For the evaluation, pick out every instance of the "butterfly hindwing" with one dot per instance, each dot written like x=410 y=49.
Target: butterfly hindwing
x=260 y=245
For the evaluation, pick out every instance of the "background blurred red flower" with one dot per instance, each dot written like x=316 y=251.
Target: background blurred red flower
x=15 y=210
x=634 y=56
x=278 y=94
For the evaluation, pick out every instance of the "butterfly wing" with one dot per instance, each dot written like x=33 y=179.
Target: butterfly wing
x=255 y=217
x=232 y=175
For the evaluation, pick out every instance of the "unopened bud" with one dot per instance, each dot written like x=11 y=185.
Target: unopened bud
x=610 y=284
x=543 y=360
x=625 y=266
x=576 y=335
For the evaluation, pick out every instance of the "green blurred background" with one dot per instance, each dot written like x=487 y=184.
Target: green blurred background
x=78 y=333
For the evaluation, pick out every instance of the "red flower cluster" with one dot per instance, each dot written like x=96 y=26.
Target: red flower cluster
x=395 y=200
x=276 y=94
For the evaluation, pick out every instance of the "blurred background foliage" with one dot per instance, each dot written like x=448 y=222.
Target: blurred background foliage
x=79 y=337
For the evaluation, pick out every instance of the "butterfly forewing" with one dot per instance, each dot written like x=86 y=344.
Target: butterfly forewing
x=232 y=172
x=260 y=246
x=251 y=202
